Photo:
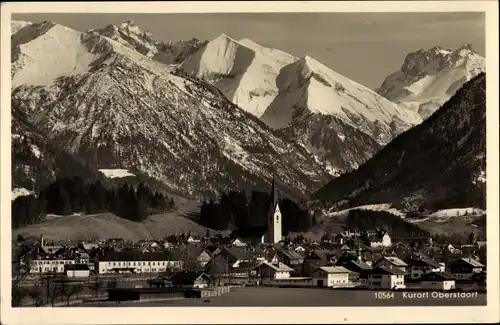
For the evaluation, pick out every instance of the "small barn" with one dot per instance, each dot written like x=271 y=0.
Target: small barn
x=437 y=281
x=191 y=279
x=77 y=270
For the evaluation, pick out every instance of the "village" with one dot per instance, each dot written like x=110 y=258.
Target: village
x=189 y=265
x=180 y=263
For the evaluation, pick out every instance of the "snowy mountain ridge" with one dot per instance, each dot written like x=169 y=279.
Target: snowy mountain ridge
x=429 y=77
x=116 y=108
x=243 y=70
x=439 y=164
x=341 y=121
x=16 y=25
x=131 y=35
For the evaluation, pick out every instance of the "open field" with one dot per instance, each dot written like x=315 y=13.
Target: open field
x=458 y=225
x=308 y=297
x=107 y=225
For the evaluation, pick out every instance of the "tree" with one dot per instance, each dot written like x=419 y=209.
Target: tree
x=112 y=284
x=96 y=285
x=51 y=288
x=73 y=290
x=35 y=292
x=472 y=238
x=18 y=294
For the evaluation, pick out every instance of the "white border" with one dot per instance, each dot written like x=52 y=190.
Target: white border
x=234 y=315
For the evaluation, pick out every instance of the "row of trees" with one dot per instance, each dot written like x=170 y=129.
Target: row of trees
x=236 y=209
x=368 y=220
x=52 y=288
x=363 y=220
x=73 y=195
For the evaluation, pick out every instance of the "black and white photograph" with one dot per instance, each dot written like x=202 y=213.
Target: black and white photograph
x=324 y=158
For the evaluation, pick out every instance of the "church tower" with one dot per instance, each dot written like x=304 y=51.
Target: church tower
x=274 y=220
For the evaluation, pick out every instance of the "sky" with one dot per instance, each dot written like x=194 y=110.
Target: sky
x=365 y=47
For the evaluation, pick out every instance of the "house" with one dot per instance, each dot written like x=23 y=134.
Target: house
x=251 y=234
x=203 y=257
x=218 y=269
x=234 y=255
x=88 y=246
x=437 y=281
x=340 y=239
x=231 y=261
x=83 y=257
x=300 y=249
x=452 y=249
x=380 y=240
x=385 y=277
x=480 y=243
x=391 y=261
x=464 y=268
x=479 y=279
x=52 y=249
x=359 y=270
x=237 y=242
x=191 y=279
x=290 y=257
x=194 y=239
x=49 y=265
x=418 y=266
x=220 y=241
x=77 y=270
x=331 y=277
x=312 y=261
x=268 y=271
x=137 y=262
x=273 y=258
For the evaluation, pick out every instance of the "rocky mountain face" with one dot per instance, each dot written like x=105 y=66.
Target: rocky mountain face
x=16 y=25
x=115 y=107
x=129 y=34
x=341 y=121
x=36 y=162
x=429 y=77
x=436 y=165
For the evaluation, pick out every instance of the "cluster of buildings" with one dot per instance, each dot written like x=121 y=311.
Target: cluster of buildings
x=335 y=263
x=260 y=256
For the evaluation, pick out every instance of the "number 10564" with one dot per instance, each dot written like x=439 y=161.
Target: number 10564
x=384 y=295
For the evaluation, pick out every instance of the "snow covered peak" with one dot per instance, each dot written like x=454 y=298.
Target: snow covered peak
x=16 y=25
x=243 y=70
x=219 y=57
x=129 y=27
x=309 y=87
x=428 y=78
x=45 y=51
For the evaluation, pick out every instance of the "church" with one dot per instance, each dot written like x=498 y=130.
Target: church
x=268 y=233
x=274 y=220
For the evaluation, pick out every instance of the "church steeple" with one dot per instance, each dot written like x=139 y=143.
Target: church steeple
x=274 y=193
x=274 y=223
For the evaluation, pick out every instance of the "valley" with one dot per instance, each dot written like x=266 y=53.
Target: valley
x=132 y=109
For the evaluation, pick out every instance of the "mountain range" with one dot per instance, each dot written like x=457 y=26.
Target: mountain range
x=438 y=164
x=117 y=108
x=205 y=116
x=429 y=77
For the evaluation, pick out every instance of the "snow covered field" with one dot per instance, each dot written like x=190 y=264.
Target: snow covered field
x=116 y=173
x=373 y=207
x=20 y=192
